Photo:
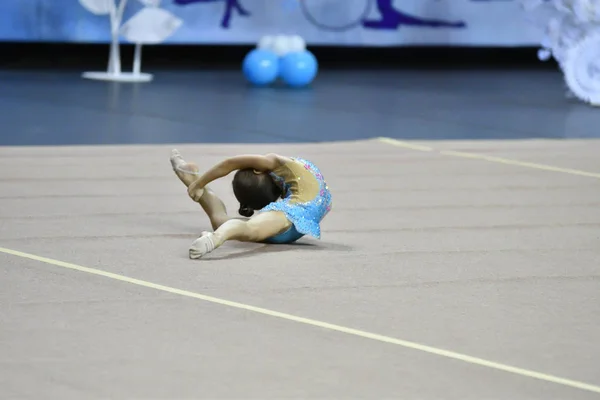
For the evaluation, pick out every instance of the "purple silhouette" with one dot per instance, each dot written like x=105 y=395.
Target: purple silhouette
x=391 y=19
x=230 y=6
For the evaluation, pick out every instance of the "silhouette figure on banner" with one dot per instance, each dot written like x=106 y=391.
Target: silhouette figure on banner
x=230 y=7
x=391 y=19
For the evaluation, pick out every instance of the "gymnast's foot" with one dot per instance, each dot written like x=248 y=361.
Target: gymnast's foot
x=186 y=172
x=203 y=245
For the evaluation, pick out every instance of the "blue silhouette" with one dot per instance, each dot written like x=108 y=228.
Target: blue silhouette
x=230 y=6
x=391 y=19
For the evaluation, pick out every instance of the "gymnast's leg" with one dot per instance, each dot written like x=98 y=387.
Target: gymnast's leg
x=257 y=229
x=210 y=203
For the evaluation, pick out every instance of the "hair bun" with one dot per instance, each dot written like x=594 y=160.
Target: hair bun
x=246 y=211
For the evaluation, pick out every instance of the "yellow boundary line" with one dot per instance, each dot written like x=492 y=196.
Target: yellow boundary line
x=500 y=160
x=338 y=328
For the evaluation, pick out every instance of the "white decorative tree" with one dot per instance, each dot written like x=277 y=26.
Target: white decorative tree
x=572 y=37
x=151 y=25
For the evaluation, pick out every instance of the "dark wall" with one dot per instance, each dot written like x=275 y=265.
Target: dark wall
x=80 y=56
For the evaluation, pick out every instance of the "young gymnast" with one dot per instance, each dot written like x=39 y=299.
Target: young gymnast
x=289 y=194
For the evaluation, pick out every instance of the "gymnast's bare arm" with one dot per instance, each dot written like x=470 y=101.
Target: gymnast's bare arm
x=263 y=163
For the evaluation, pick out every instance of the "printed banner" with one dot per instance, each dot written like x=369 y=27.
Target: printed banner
x=325 y=22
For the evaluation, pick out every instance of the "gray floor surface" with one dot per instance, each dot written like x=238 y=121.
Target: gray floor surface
x=489 y=260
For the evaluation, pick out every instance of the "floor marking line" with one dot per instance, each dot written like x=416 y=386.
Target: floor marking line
x=400 y=143
x=508 y=161
x=320 y=324
x=499 y=160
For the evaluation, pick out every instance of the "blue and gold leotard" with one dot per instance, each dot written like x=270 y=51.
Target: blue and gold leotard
x=306 y=200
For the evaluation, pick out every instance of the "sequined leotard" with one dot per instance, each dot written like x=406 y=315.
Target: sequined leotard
x=306 y=201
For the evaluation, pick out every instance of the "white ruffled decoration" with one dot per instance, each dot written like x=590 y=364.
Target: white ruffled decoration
x=572 y=38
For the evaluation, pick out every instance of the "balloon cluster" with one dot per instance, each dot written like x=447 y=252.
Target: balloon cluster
x=572 y=38
x=284 y=57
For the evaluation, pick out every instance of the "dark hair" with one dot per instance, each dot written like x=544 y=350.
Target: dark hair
x=254 y=191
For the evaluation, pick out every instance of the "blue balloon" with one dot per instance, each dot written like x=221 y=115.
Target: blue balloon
x=298 y=68
x=261 y=67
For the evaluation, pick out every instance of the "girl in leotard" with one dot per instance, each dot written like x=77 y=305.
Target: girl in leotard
x=289 y=195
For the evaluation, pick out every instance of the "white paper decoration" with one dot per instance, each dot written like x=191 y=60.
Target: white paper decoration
x=150 y=3
x=98 y=7
x=582 y=69
x=150 y=25
x=572 y=37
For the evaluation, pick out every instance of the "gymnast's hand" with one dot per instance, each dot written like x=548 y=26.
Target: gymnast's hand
x=194 y=191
